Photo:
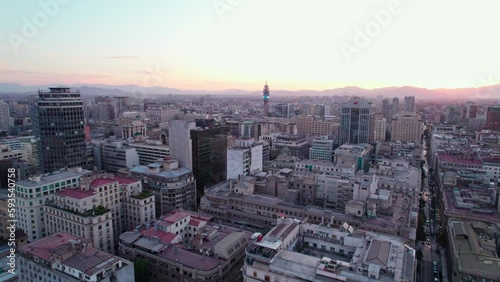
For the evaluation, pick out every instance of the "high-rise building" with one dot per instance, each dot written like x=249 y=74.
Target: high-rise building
x=5 y=120
x=180 y=143
x=281 y=111
x=395 y=106
x=209 y=149
x=407 y=127
x=266 y=99
x=120 y=105
x=453 y=114
x=378 y=128
x=493 y=118
x=471 y=110
x=249 y=129
x=355 y=122
x=409 y=105
x=387 y=110
x=60 y=129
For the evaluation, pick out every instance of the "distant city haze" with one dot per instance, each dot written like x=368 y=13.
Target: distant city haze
x=220 y=44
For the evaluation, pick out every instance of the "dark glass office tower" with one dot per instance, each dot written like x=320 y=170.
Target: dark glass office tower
x=209 y=157
x=60 y=129
x=355 y=122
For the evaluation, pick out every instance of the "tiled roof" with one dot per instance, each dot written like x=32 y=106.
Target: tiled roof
x=45 y=247
x=101 y=181
x=125 y=180
x=75 y=193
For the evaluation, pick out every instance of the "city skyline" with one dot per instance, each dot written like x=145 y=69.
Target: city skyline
x=221 y=44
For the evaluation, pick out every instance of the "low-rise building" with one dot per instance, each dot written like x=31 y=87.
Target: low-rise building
x=64 y=257
x=473 y=250
x=295 y=251
x=186 y=246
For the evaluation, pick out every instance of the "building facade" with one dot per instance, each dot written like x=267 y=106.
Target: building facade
x=113 y=156
x=64 y=257
x=493 y=118
x=32 y=194
x=321 y=149
x=409 y=105
x=407 y=128
x=355 y=122
x=60 y=129
x=186 y=246
x=244 y=159
x=174 y=187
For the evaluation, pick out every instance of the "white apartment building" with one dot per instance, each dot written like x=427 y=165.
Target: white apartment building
x=150 y=151
x=322 y=149
x=112 y=156
x=244 y=159
x=31 y=195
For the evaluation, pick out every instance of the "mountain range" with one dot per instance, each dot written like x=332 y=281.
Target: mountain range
x=483 y=92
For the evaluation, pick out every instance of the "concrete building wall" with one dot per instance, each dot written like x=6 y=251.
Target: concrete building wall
x=180 y=142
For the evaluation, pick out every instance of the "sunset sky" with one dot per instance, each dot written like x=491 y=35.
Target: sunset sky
x=224 y=44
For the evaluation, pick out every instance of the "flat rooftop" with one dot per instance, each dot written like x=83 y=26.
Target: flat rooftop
x=53 y=177
x=474 y=249
x=295 y=264
x=45 y=247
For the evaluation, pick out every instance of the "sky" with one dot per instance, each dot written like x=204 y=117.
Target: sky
x=239 y=44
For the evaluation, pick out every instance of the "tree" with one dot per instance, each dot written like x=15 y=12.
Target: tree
x=141 y=269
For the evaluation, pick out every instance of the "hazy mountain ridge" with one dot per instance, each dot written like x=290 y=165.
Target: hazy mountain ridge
x=485 y=92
